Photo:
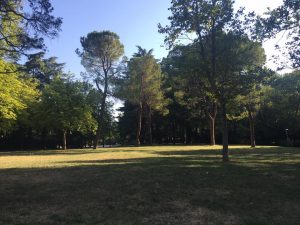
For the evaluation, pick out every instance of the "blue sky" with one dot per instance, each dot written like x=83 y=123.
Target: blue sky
x=135 y=21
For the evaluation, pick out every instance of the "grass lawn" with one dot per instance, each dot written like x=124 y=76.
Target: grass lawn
x=151 y=185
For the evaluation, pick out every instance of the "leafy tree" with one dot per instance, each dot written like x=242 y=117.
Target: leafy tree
x=248 y=106
x=128 y=116
x=93 y=96
x=17 y=92
x=23 y=24
x=285 y=102
x=224 y=50
x=100 y=57
x=63 y=108
x=143 y=88
x=191 y=86
x=236 y=69
x=283 y=18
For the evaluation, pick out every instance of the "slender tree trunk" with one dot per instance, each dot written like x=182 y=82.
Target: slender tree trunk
x=174 y=132
x=225 y=151
x=211 y=114
x=149 y=126
x=99 y=132
x=252 y=130
x=139 y=124
x=64 y=140
x=212 y=131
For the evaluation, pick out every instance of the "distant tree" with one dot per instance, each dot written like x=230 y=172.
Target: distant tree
x=17 y=93
x=100 y=55
x=191 y=85
x=285 y=18
x=93 y=96
x=143 y=88
x=248 y=106
x=127 y=117
x=284 y=101
x=23 y=24
x=63 y=108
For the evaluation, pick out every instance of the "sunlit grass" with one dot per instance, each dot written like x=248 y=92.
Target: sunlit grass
x=151 y=185
x=71 y=157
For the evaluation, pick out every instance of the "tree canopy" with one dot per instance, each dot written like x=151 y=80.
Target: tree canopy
x=23 y=24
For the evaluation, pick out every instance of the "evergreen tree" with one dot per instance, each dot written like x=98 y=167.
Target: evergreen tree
x=100 y=57
x=143 y=88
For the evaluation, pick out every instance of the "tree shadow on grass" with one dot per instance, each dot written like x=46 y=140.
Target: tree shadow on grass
x=188 y=187
x=180 y=149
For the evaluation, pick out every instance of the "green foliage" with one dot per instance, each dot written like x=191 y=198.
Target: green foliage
x=101 y=51
x=17 y=92
x=283 y=18
x=63 y=107
x=144 y=82
x=285 y=101
x=238 y=65
x=23 y=24
x=43 y=69
x=100 y=57
x=198 y=17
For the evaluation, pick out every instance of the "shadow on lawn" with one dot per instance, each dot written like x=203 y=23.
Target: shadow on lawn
x=182 y=187
x=181 y=150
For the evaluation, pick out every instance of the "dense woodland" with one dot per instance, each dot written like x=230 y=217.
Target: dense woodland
x=212 y=88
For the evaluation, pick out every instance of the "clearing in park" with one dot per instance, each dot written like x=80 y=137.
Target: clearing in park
x=151 y=185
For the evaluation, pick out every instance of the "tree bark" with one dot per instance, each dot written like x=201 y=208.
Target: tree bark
x=149 y=125
x=64 y=140
x=139 y=124
x=212 y=131
x=252 y=131
x=100 y=121
x=211 y=114
x=225 y=152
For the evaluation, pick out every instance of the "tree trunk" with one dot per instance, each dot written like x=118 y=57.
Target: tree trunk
x=100 y=121
x=139 y=124
x=64 y=140
x=174 y=132
x=211 y=114
x=252 y=130
x=149 y=126
x=225 y=151
x=212 y=131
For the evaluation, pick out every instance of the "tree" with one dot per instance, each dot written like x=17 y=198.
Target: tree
x=43 y=69
x=63 y=108
x=285 y=18
x=191 y=86
x=284 y=101
x=100 y=55
x=247 y=105
x=93 y=96
x=23 y=24
x=143 y=88
x=215 y=27
x=17 y=92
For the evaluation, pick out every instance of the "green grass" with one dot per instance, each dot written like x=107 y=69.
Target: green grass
x=151 y=185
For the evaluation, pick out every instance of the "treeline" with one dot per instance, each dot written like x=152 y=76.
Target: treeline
x=213 y=87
